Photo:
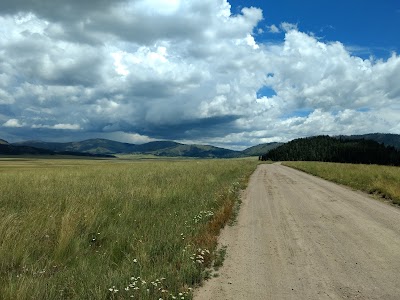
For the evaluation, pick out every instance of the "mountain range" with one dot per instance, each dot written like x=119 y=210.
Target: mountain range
x=104 y=147
x=261 y=149
x=158 y=148
x=10 y=149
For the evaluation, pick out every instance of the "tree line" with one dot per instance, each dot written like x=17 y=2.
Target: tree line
x=329 y=149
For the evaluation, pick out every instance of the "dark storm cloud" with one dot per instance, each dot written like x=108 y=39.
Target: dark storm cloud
x=92 y=21
x=145 y=30
x=193 y=129
x=153 y=89
x=33 y=59
x=57 y=10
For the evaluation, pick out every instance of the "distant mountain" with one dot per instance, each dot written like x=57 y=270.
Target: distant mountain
x=384 y=138
x=8 y=149
x=197 y=151
x=93 y=146
x=174 y=149
x=159 y=148
x=260 y=149
x=156 y=147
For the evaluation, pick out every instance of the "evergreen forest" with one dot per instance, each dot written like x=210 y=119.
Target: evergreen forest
x=330 y=149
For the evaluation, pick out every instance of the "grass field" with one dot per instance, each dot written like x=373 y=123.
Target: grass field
x=85 y=229
x=381 y=180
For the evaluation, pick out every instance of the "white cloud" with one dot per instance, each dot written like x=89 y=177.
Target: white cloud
x=162 y=7
x=312 y=74
x=184 y=70
x=120 y=68
x=57 y=126
x=13 y=123
x=251 y=42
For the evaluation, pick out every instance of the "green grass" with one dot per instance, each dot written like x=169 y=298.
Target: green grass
x=219 y=258
x=145 y=156
x=85 y=229
x=381 y=180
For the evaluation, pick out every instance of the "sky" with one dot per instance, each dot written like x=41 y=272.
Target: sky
x=227 y=73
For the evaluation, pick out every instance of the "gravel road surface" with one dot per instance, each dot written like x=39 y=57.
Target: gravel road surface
x=301 y=237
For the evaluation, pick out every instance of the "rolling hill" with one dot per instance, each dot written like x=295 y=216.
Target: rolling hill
x=159 y=148
x=387 y=139
x=10 y=149
x=261 y=149
x=93 y=146
x=7 y=149
x=197 y=151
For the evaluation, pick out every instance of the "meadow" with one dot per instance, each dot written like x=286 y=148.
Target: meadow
x=112 y=229
x=383 y=181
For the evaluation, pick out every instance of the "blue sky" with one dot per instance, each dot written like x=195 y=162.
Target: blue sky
x=368 y=25
x=227 y=73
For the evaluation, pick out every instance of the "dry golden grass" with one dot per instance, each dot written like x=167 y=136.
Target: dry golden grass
x=81 y=229
x=381 y=180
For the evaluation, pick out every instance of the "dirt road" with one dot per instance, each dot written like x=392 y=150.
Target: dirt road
x=301 y=237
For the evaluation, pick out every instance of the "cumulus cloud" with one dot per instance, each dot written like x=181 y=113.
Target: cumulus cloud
x=340 y=93
x=189 y=71
x=13 y=123
x=58 y=126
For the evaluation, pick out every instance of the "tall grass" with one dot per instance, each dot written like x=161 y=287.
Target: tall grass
x=112 y=230
x=373 y=179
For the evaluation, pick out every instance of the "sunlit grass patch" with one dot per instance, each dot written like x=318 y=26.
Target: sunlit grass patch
x=381 y=180
x=111 y=229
